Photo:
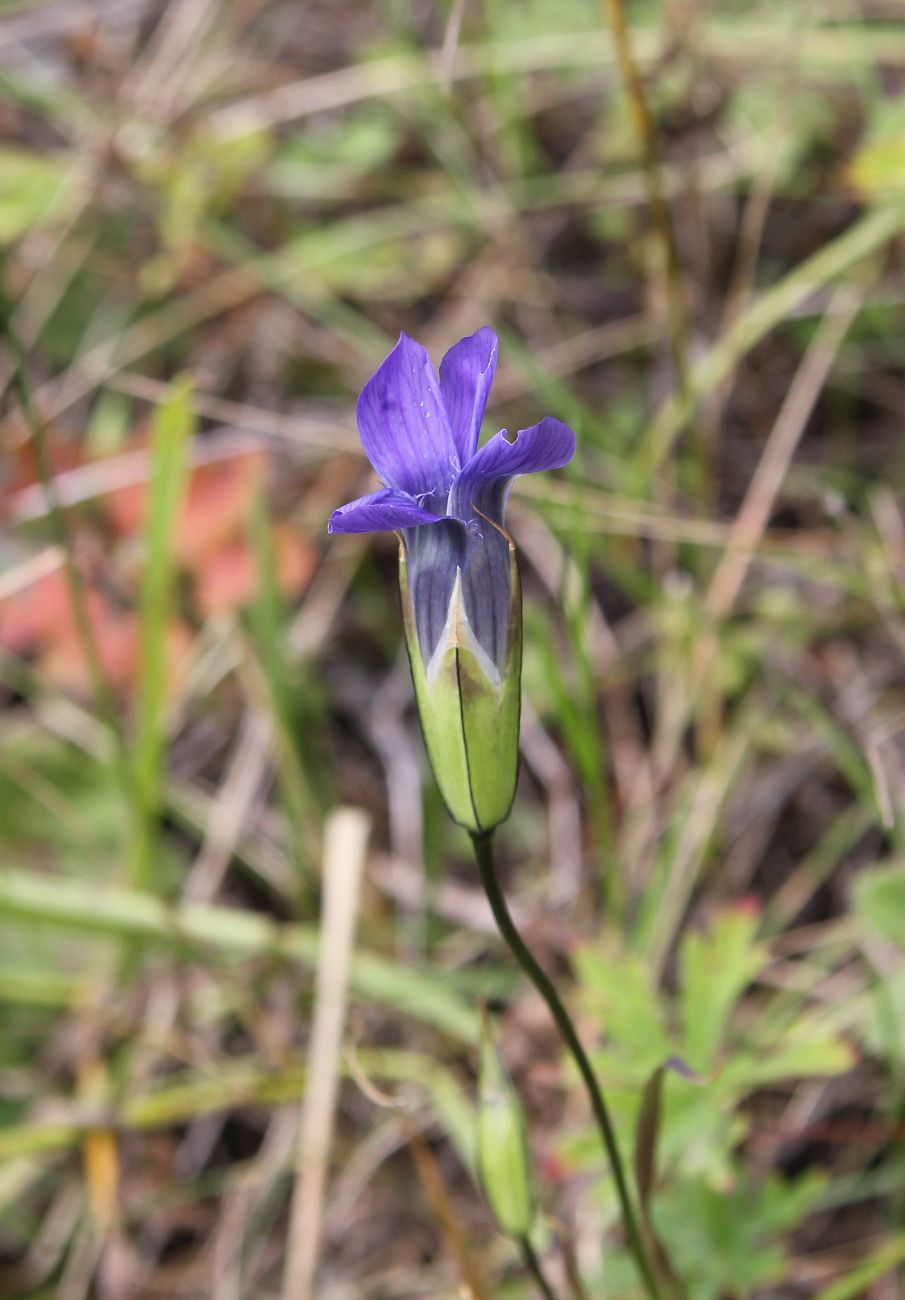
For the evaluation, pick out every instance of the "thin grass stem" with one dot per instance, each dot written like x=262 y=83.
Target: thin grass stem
x=535 y=1268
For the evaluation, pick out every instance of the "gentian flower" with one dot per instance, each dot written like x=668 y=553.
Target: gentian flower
x=461 y=598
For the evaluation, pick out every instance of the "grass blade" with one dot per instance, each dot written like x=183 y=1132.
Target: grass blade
x=173 y=425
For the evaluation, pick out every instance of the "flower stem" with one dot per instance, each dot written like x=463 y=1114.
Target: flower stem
x=483 y=850
x=533 y=1265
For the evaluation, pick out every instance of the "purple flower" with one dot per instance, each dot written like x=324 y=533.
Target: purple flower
x=444 y=495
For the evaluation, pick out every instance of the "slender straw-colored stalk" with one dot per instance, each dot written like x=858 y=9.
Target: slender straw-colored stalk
x=661 y=218
x=483 y=850
x=345 y=845
x=646 y=133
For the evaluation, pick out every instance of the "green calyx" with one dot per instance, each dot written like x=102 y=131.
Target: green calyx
x=469 y=712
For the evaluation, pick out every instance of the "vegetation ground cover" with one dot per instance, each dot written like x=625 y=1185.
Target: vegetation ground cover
x=684 y=220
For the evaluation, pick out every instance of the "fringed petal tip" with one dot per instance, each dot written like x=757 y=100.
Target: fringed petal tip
x=550 y=444
x=484 y=482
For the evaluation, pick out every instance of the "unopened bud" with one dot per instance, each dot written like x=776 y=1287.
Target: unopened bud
x=502 y=1147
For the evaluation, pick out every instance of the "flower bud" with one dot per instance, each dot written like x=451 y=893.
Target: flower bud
x=502 y=1147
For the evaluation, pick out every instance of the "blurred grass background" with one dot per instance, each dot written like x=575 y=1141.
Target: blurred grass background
x=684 y=219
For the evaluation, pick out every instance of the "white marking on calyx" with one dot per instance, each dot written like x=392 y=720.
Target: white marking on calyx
x=458 y=634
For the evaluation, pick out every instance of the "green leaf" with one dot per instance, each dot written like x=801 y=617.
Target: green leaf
x=312 y=164
x=83 y=906
x=173 y=425
x=269 y=623
x=622 y=992
x=728 y=1240
x=824 y=1054
x=29 y=185
x=879 y=899
x=857 y=1282
x=715 y=970
x=647 y=1129
x=646 y=1134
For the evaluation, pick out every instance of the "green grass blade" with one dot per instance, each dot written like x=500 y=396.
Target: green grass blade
x=172 y=429
x=227 y=931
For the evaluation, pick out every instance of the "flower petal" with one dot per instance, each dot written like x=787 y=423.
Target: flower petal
x=466 y=376
x=378 y=512
x=433 y=557
x=481 y=490
x=486 y=590
x=483 y=485
x=403 y=423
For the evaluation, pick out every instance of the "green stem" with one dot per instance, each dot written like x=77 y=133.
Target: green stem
x=483 y=850
x=533 y=1265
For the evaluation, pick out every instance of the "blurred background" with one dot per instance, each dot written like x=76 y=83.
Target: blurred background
x=242 y=946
